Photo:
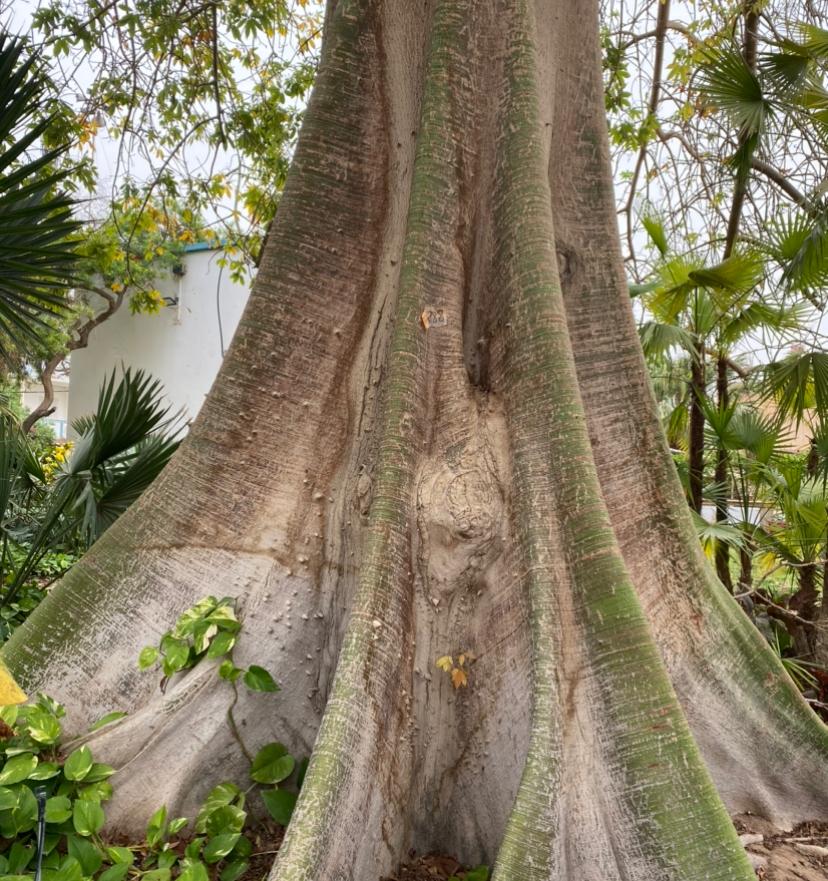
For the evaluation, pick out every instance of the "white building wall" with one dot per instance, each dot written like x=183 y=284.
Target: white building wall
x=183 y=345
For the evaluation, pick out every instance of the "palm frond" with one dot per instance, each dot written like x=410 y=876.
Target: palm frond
x=658 y=339
x=676 y=425
x=128 y=484
x=757 y=314
x=785 y=72
x=729 y=84
x=815 y=40
x=797 y=384
x=655 y=230
x=739 y=272
x=37 y=249
x=127 y=412
x=710 y=534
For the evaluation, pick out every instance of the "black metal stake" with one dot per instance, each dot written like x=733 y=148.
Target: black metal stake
x=40 y=795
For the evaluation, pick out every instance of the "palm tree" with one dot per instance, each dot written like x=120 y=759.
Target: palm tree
x=122 y=447
x=707 y=311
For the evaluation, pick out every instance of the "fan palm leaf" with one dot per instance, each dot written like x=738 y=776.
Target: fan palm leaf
x=37 y=249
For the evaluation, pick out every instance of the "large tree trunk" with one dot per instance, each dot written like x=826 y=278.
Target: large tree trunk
x=434 y=433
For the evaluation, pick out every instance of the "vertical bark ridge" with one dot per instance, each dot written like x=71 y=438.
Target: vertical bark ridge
x=656 y=813
x=743 y=709
x=359 y=775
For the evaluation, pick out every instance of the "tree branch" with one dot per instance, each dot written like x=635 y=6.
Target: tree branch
x=652 y=107
x=81 y=341
x=782 y=182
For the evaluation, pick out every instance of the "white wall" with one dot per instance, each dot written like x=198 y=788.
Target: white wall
x=181 y=345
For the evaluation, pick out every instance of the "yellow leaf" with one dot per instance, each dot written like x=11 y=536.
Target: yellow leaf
x=10 y=691
x=459 y=678
x=445 y=663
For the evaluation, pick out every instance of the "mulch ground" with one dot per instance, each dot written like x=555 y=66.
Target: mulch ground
x=798 y=855
x=266 y=840
x=432 y=867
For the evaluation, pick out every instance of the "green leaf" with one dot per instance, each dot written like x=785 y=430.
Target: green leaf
x=43 y=727
x=732 y=86
x=229 y=671
x=156 y=826
x=219 y=847
x=655 y=230
x=479 y=873
x=203 y=633
x=120 y=855
x=192 y=617
x=218 y=797
x=225 y=820
x=156 y=875
x=258 y=679
x=115 y=873
x=86 y=853
x=194 y=872
x=45 y=771
x=225 y=618
x=78 y=764
x=272 y=764
x=98 y=772
x=22 y=817
x=167 y=858
x=221 y=644
x=58 y=809
x=87 y=817
x=109 y=718
x=280 y=804
x=740 y=272
x=176 y=654
x=8 y=798
x=17 y=769
x=148 y=656
x=193 y=850
x=98 y=791
x=19 y=857
x=243 y=848
x=37 y=250
x=69 y=870
x=234 y=870
x=176 y=825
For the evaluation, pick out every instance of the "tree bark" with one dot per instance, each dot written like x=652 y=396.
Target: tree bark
x=433 y=434
x=695 y=447
x=722 y=478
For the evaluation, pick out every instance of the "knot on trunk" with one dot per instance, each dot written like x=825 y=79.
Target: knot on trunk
x=459 y=518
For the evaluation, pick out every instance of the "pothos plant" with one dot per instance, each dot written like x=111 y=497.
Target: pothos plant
x=208 y=631
x=38 y=766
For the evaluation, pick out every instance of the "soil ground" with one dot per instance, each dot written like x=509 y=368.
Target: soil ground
x=798 y=855
x=432 y=867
